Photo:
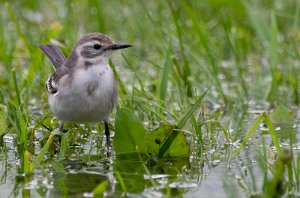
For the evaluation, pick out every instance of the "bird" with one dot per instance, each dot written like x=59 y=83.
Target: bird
x=83 y=88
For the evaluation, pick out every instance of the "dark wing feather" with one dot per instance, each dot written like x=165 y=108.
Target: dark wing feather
x=53 y=80
x=51 y=85
x=54 y=54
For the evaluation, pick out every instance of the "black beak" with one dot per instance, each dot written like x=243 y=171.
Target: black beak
x=116 y=47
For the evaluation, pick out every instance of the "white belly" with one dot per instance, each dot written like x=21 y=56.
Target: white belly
x=90 y=97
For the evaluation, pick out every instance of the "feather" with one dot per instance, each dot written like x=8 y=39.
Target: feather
x=54 y=54
x=51 y=85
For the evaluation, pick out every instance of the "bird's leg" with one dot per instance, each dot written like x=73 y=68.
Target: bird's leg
x=61 y=127
x=107 y=133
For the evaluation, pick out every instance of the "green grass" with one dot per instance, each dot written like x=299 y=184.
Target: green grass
x=245 y=53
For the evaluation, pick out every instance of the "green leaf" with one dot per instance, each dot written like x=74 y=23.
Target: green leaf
x=154 y=140
x=129 y=134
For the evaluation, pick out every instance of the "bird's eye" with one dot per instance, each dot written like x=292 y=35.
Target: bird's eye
x=97 y=46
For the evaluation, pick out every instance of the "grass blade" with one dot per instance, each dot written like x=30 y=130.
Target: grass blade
x=16 y=87
x=63 y=146
x=252 y=129
x=164 y=78
x=180 y=125
x=100 y=189
x=37 y=161
x=191 y=111
x=248 y=135
x=272 y=132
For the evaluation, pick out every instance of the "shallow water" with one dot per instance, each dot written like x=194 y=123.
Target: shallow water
x=86 y=166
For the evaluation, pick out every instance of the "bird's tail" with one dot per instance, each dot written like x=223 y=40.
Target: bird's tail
x=54 y=54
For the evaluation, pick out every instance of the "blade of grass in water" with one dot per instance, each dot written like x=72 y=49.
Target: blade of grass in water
x=63 y=146
x=19 y=124
x=16 y=87
x=197 y=130
x=100 y=189
x=264 y=160
x=164 y=79
x=272 y=132
x=219 y=125
x=254 y=127
x=273 y=51
x=37 y=160
x=248 y=135
x=275 y=184
x=26 y=161
x=191 y=111
x=121 y=181
x=297 y=171
x=180 y=125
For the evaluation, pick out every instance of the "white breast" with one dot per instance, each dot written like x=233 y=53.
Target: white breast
x=86 y=95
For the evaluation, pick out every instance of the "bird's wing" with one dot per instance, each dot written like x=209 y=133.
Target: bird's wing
x=51 y=85
x=54 y=54
x=53 y=80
